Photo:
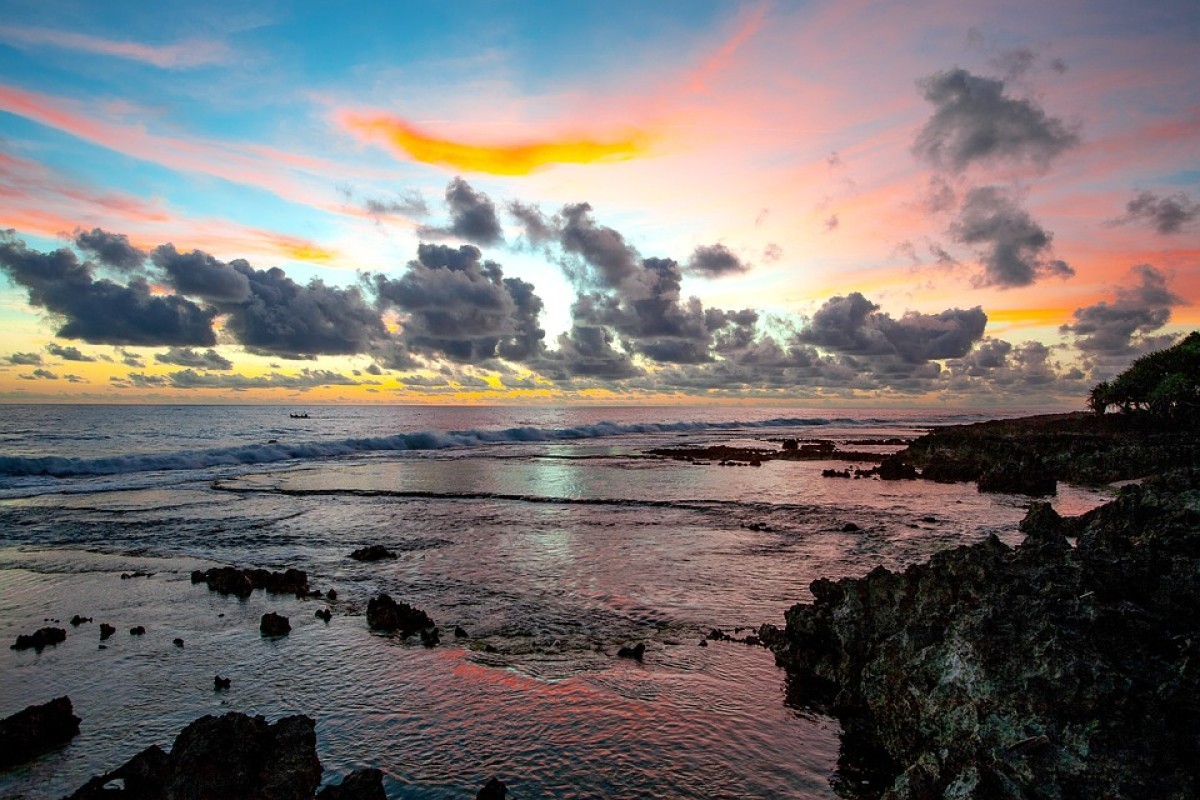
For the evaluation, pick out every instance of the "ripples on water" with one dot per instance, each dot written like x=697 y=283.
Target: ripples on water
x=550 y=555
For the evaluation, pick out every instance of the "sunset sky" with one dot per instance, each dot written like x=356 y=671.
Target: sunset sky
x=959 y=203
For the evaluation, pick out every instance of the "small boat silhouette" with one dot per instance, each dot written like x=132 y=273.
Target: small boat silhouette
x=299 y=416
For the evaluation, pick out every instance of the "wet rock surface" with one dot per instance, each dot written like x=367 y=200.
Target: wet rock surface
x=242 y=582
x=233 y=756
x=35 y=730
x=374 y=552
x=362 y=784
x=1044 y=671
x=385 y=614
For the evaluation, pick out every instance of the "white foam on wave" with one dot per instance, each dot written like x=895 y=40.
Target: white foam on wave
x=274 y=452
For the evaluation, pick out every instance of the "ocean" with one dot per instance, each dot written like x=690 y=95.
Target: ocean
x=546 y=534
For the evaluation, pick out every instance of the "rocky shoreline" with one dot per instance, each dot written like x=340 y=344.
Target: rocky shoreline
x=1078 y=447
x=1050 y=670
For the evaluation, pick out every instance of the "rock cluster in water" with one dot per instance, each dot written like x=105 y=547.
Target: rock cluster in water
x=374 y=552
x=235 y=757
x=385 y=614
x=1041 y=671
x=241 y=582
x=35 y=730
x=39 y=639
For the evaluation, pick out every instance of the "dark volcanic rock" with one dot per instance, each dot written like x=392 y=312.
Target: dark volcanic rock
x=896 y=468
x=241 y=582
x=385 y=614
x=1081 y=448
x=362 y=784
x=1043 y=671
x=375 y=552
x=1026 y=476
x=106 y=630
x=36 y=729
x=324 y=613
x=494 y=789
x=234 y=757
x=273 y=624
x=39 y=639
x=77 y=620
x=137 y=630
x=220 y=683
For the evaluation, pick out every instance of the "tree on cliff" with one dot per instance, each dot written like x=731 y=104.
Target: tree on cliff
x=1165 y=383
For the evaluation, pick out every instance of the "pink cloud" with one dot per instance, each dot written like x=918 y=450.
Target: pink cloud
x=183 y=55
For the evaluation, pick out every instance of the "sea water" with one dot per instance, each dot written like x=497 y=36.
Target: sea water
x=547 y=534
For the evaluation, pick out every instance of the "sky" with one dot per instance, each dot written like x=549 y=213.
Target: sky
x=960 y=204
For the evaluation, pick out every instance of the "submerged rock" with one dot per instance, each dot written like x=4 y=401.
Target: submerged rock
x=35 y=730
x=362 y=784
x=241 y=582
x=385 y=614
x=234 y=756
x=324 y=614
x=78 y=620
x=273 y=624
x=1043 y=671
x=106 y=630
x=39 y=639
x=374 y=552
x=220 y=683
x=494 y=789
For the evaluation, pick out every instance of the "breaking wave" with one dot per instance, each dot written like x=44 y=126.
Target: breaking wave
x=272 y=452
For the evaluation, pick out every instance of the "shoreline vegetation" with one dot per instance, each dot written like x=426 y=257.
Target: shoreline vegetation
x=1066 y=666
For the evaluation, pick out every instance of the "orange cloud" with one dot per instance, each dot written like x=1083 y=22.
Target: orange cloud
x=508 y=159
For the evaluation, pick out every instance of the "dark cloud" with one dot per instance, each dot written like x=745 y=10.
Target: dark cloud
x=1014 y=64
x=462 y=307
x=200 y=275
x=74 y=379
x=588 y=351
x=291 y=320
x=130 y=359
x=374 y=369
x=538 y=229
x=111 y=249
x=472 y=216
x=25 y=359
x=975 y=121
x=269 y=313
x=1170 y=214
x=40 y=374
x=1124 y=326
x=715 y=261
x=998 y=367
x=831 y=223
x=611 y=258
x=1014 y=245
x=190 y=379
x=187 y=357
x=772 y=253
x=103 y=312
x=410 y=204
x=68 y=353
x=853 y=325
